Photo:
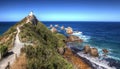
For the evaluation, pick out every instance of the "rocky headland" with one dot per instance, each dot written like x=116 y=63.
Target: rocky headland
x=71 y=52
x=42 y=48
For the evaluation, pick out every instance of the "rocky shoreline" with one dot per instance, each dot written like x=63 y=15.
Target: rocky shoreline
x=84 y=59
x=72 y=56
x=72 y=51
x=77 y=61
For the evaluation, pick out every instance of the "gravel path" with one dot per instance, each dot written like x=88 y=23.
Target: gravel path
x=15 y=51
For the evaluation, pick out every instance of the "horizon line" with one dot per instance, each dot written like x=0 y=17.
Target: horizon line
x=65 y=21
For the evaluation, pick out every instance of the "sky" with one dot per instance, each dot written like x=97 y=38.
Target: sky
x=61 y=10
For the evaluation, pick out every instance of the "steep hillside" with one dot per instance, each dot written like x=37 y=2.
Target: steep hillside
x=41 y=46
x=7 y=38
x=43 y=54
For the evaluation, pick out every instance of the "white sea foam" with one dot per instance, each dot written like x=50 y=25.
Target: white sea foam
x=108 y=56
x=113 y=57
x=96 y=62
x=81 y=36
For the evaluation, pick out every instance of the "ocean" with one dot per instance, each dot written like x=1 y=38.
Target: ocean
x=96 y=34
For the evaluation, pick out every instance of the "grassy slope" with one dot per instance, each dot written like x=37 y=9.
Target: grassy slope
x=7 y=39
x=43 y=55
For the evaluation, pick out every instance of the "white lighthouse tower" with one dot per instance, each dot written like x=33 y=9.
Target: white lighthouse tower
x=29 y=17
x=31 y=13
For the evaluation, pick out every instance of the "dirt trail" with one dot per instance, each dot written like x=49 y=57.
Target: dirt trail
x=15 y=51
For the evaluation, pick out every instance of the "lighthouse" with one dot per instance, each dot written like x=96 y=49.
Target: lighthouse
x=31 y=18
x=31 y=13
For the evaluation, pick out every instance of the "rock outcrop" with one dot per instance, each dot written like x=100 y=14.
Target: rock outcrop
x=77 y=62
x=73 y=38
x=86 y=49
x=53 y=30
x=51 y=26
x=62 y=27
x=69 y=30
x=61 y=50
x=94 y=52
x=105 y=51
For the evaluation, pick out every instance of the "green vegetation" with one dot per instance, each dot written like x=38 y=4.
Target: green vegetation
x=7 y=39
x=60 y=39
x=3 y=50
x=43 y=55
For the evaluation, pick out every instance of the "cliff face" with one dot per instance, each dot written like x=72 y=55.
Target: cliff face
x=40 y=44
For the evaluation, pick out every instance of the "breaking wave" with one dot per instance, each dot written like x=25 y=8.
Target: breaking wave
x=96 y=62
x=81 y=36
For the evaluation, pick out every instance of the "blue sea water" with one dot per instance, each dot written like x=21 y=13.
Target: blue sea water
x=97 y=34
x=4 y=26
x=100 y=35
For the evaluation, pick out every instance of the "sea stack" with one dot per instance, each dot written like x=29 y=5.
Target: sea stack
x=105 y=51
x=69 y=30
x=53 y=30
x=62 y=27
x=51 y=26
x=94 y=52
x=73 y=38
x=31 y=19
x=86 y=49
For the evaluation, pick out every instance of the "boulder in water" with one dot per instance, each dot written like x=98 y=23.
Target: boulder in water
x=73 y=38
x=53 y=30
x=62 y=27
x=69 y=30
x=86 y=49
x=94 y=52
x=51 y=26
x=105 y=51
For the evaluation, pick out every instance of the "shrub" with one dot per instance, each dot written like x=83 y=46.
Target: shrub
x=3 y=50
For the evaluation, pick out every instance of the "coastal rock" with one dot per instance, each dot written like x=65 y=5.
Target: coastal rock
x=53 y=30
x=69 y=30
x=73 y=38
x=62 y=27
x=31 y=19
x=61 y=50
x=94 y=52
x=77 y=61
x=86 y=49
x=105 y=51
x=51 y=26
